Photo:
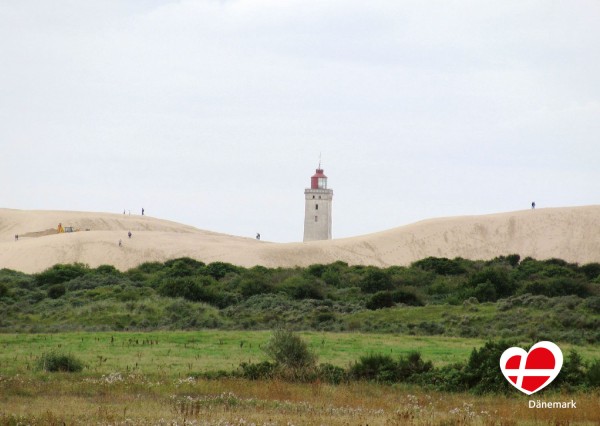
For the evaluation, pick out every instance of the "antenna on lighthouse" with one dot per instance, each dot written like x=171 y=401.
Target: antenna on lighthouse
x=319 y=161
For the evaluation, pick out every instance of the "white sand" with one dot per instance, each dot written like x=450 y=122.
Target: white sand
x=571 y=234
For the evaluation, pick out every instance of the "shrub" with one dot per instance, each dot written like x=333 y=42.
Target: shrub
x=198 y=289
x=54 y=362
x=558 y=286
x=107 y=270
x=486 y=292
x=302 y=288
x=195 y=289
x=572 y=374
x=59 y=274
x=378 y=367
x=90 y=281
x=218 y=270
x=383 y=368
x=289 y=350
x=482 y=373
x=331 y=374
x=593 y=374
x=56 y=291
x=531 y=269
x=381 y=299
x=331 y=277
x=374 y=280
x=492 y=283
x=407 y=297
x=3 y=290
x=441 y=265
x=316 y=270
x=591 y=270
x=258 y=371
x=560 y=262
x=324 y=317
x=593 y=304
x=251 y=286
x=183 y=267
x=431 y=328
x=148 y=267
x=412 y=365
x=513 y=259
x=334 y=274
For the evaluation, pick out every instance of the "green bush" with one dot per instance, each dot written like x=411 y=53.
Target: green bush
x=593 y=304
x=302 y=288
x=258 y=371
x=558 y=286
x=513 y=259
x=59 y=274
x=93 y=280
x=383 y=368
x=431 y=328
x=407 y=297
x=289 y=350
x=374 y=280
x=183 y=267
x=572 y=374
x=316 y=270
x=386 y=299
x=3 y=290
x=331 y=278
x=591 y=270
x=181 y=287
x=441 y=265
x=482 y=373
x=331 y=374
x=148 y=268
x=251 y=286
x=593 y=374
x=54 y=362
x=377 y=367
x=107 y=270
x=218 y=270
x=492 y=283
x=411 y=365
x=380 y=300
x=56 y=291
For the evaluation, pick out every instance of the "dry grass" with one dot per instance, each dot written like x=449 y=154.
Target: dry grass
x=153 y=386
x=135 y=399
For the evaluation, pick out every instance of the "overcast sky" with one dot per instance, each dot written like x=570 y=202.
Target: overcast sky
x=213 y=113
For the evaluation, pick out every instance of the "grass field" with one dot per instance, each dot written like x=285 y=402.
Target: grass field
x=144 y=378
x=183 y=352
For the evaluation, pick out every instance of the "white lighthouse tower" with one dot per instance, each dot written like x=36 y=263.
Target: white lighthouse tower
x=317 y=208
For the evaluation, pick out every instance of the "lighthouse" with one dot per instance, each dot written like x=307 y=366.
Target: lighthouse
x=317 y=208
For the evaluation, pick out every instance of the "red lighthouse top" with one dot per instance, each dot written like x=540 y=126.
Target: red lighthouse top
x=318 y=180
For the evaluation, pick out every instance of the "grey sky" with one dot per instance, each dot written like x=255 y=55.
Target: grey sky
x=213 y=113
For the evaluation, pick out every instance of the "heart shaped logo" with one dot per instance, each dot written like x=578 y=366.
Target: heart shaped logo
x=534 y=370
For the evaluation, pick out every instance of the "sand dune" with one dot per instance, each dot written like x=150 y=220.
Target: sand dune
x=567 y=233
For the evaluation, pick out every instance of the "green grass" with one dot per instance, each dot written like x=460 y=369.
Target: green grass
x=181 y=353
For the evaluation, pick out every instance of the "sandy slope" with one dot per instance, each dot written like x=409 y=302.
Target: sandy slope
x=572 y=234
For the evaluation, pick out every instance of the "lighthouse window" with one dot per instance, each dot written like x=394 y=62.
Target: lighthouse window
x=319 y=197
x=313 y=197
x=316 y=218
x=316 y=207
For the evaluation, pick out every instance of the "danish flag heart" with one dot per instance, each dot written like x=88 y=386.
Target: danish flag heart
x=534 y=370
